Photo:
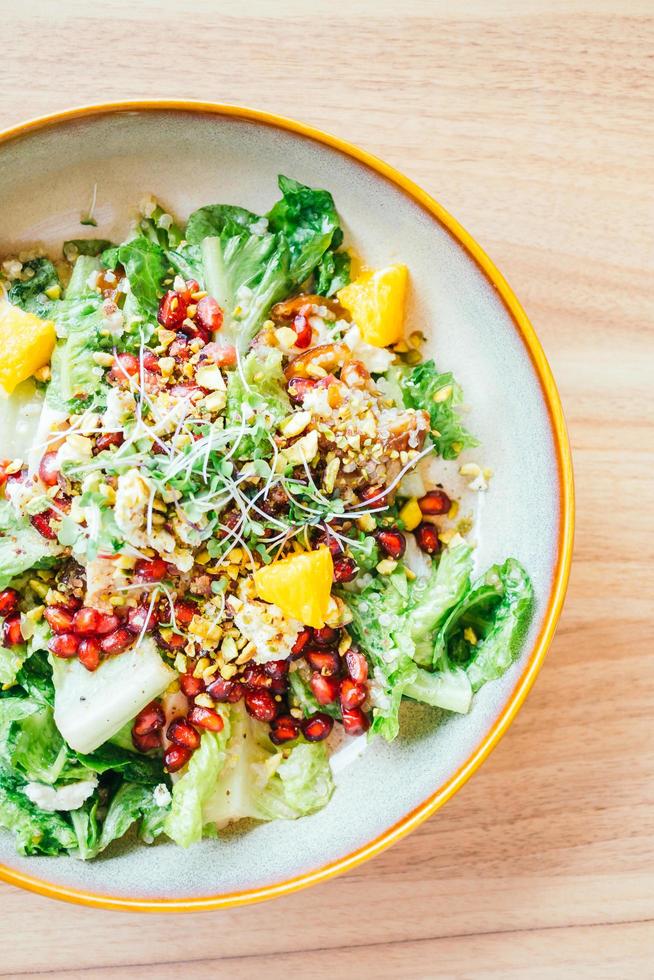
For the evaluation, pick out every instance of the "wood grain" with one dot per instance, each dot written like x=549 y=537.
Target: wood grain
x=533 y=122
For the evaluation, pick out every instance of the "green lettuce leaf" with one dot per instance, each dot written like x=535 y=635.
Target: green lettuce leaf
x=262 y=782
x=380 y=625
x=448 y=689
x=307 y=219
x=434 y=595
x=333 y=273
x=185 y=820
x=146 y=267
x=94 y=247
x=439 y=395
x=261 y=387
x=77 y=381
x=29 y=294
x=21 y=546
x=36 y=831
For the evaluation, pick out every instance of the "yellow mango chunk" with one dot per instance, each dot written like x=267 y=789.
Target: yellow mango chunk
x=300 y=585
x=375 y=302
x=26 y=344
x=411 y=514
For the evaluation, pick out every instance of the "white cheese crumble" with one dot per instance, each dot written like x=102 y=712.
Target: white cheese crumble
x=65 y=798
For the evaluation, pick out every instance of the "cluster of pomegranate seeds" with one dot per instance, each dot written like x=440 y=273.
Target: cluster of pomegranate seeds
x=147 y=727
x=86 y=633
x=179 y=312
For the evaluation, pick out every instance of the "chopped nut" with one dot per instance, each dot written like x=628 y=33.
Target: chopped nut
x=386 y=566
x=294 y=424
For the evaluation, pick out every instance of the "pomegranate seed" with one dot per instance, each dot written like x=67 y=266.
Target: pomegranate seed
x=277 y=669
x=206 y=718
x=124 y=364
x=72 y=603
x=107 y=623
x=222 y=690
x=58 y=619
x=191 y=686
x=117 y=641
x=153 y=570
x=325 y=689
x=391 y=541
x=261 y=704
x=351 y=694
x=317 y=726
x=11 y=634
x=325 y=636
x=174 y=642
x=142 y=617
x=182 y=733
x=225 y=357
x=334 y=545
x=355 y=722
x=146 y=743
x=255 y=676
x=8 y=601
x=179 y=348
x=49 y=469
x=303 y=638
x=149 y=719
x=176 y=757
x=107 y=440
x=427 y=538
x=64 y=645
x=324 y=661
x=184 y=612
x=85 y=621
x=209 y=314
x=298 y=387
x=42 y=524
x=151 y=362
x=172 y=310
x=88 y=653
x=357 y=666
x=345 y=569
x=374 y=496
x=303 y=330
x=191 y=286
x=283 y=729
x=435 y=503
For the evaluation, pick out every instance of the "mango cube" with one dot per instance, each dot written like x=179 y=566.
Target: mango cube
x=300 y=585
x=411 y=514
x=375 y=302
x=26 y=344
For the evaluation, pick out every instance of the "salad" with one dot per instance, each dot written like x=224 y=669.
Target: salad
x=225 y=546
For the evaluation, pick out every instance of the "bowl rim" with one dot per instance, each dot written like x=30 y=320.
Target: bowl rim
x=561 y=574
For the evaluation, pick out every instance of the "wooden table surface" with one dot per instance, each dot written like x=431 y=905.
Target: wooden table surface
x=533 y=122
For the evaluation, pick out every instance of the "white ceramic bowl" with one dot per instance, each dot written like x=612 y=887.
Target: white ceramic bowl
x=190 y=154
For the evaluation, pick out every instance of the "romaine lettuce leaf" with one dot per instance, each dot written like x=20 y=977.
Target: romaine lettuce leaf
x=145 y=266
x=76 y=381
x=21 y=545
x=448 y=689
x=191 y=793
x=266 y=398
x=29 y=294
x=91 y=707
x=439 y=394
x=266 y=783
x=434 y=595
x=333 y=273
x=307 y=219
x=35 y=830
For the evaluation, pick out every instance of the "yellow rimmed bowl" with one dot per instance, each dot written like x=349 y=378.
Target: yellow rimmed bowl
x=189 y=154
